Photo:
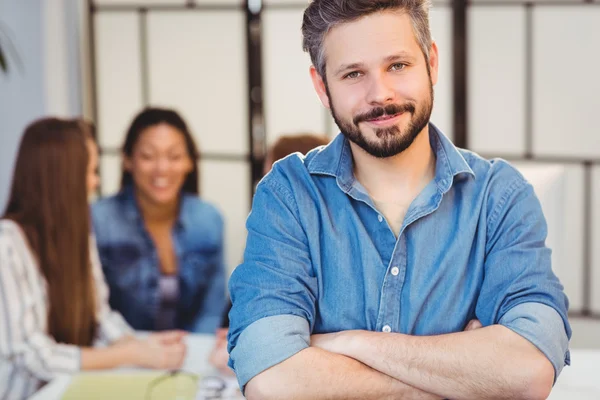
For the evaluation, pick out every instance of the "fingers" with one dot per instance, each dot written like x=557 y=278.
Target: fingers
x=226 y=371
x=170 y=337
x=164 y=350
x=219 y=356
x=176 y=355
x=222 y=333
x=472 y=325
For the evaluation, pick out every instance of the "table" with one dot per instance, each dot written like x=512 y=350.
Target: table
x=580 y=381
x=196 y=361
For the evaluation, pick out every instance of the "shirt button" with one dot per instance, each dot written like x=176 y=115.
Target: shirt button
x=387 y=329
x=395 y=271
x=380 y=218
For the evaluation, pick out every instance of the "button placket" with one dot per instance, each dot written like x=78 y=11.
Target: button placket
x=395 y=279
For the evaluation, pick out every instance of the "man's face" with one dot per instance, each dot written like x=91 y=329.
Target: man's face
x=379 y=85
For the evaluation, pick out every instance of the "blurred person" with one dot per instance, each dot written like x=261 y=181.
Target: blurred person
x=89 y=131
x=53 y=297
x=161 y=246
x=366 y=261
x=283 y=147
x=288 y=144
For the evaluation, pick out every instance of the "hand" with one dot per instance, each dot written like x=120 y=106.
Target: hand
x=219 y=355
x=472 y=325
x=168 y=337
x=164 y=350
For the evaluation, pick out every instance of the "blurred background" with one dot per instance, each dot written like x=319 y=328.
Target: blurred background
x=518 y=80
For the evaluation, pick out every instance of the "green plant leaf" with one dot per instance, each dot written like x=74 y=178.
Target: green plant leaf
x=3 y=65
x=8 y=50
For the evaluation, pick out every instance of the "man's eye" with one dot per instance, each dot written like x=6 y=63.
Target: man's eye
x=397 y=66
x=352 y=75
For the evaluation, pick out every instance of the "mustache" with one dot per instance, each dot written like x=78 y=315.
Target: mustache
x=390 y=109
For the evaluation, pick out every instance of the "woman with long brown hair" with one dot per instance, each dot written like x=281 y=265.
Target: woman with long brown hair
x=53 y=298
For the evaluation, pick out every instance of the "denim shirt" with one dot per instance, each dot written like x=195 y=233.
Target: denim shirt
x=320 y=258
x=131 y=264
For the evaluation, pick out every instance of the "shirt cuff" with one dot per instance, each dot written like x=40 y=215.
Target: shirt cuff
x=268 y=342
x=68 y=358
x=544 y=328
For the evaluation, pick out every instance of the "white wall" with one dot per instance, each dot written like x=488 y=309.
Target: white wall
x=46 y=35
x=21 y=92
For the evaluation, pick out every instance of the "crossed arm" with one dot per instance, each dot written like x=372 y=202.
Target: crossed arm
x=488 y=363
x=314 y=373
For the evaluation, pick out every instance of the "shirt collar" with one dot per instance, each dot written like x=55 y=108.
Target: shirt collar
x=132 y=210
x=336 y=160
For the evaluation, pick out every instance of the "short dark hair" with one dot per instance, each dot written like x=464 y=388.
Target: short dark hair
x=322 y=15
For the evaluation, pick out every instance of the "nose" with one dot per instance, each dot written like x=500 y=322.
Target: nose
x=381 y=90
x=162 y=164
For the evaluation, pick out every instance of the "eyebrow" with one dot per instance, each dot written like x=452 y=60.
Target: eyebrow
x=174 y=147
x=403 y=55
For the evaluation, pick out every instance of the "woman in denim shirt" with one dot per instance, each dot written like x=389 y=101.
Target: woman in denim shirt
x=160 y=245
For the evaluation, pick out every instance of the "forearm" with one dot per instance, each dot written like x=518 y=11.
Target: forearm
x=315 y=374
x=107 y=357
x=127 y=338
x=487 y=363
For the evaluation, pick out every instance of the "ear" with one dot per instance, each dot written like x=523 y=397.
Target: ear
x=319 y=86
x=127 y=163
x=190 y=165
x=434 y=59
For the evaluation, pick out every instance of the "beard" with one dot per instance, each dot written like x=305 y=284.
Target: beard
x=392 y=139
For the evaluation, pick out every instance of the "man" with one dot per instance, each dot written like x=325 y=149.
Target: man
x=367 y=259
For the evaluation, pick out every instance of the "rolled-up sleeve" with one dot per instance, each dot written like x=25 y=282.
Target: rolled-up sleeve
x=544 y=328
x=278 y=338
x=520 y=289
x=274 y=290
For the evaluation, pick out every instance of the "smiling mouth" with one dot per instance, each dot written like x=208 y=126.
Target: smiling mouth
x=384 y=118
x=160 y=183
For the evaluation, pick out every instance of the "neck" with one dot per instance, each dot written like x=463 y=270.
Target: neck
x=154 y=213
x=397 y=178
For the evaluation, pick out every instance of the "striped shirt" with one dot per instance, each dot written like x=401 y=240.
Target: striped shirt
x=29 y=356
